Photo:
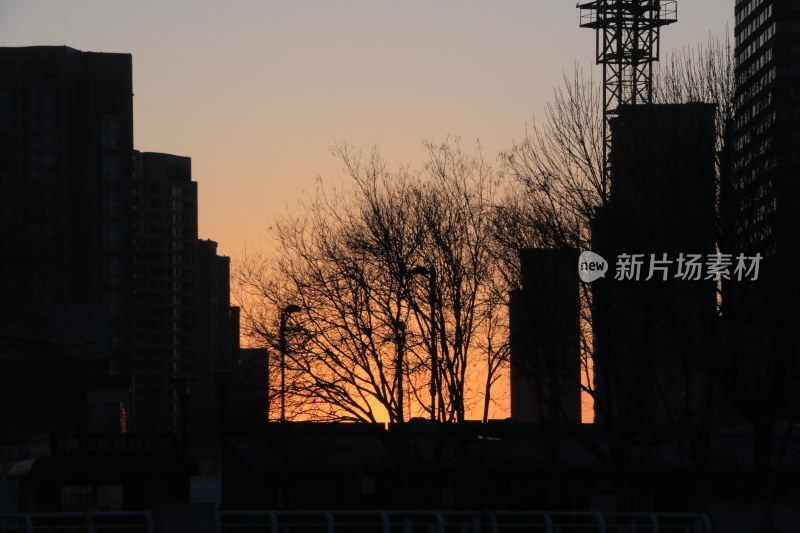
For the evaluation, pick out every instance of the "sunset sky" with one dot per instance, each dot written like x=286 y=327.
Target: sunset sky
x=256 y=92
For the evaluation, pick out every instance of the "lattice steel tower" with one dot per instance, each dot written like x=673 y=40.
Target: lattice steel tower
x=627 y=46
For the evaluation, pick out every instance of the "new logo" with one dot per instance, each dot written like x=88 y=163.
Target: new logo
x=591 y=267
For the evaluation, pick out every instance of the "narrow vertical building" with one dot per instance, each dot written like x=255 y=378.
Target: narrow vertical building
x=218 y=339
x=545 y=338
x=165 y=285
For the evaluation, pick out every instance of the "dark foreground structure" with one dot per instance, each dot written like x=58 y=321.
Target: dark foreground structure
x=501 y=465
x=362 y=477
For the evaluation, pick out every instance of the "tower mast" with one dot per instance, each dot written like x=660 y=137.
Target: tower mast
x=627 y=45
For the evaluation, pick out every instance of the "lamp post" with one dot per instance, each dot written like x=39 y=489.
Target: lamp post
x=285 y=312
x=431 y=273
x=183 y=387
x=222 y=377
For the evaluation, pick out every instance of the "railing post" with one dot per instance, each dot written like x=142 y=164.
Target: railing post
x=706 y=522
x=548 y=521
x=273 y=518
x=329 y=520
x=148 y=518
x=385 y=521
x=439 y=521
x=654 y=522
x=601 y=521
x=28 y=523
x=493 y=521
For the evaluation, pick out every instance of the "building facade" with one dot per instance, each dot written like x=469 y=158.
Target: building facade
x=767 y=122
x=184 y=324
x=66 y=138
x=165 y=286
x=764 y=210
x=545 y=338
x=218 y=344
x=653 y=328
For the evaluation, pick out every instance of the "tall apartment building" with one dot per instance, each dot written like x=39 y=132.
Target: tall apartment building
x=767 y=127
x=66 y=139
x=763 y=205
x=651 y=335
x=104 y=289
x=184 y=324
x=218 y=341
x=165 y=286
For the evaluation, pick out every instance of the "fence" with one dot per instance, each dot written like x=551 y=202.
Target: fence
x=459 y=522
x=111 y=522
x=330 y=521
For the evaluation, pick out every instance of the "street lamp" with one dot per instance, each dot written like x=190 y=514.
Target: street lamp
x=285 y=312
x=183 y=387
x=431 y=273
x=222 y=376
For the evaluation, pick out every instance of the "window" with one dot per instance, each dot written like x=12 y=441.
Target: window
x=41 y=102
x=110 y=169
x=109 y=134
x=5 y=102
x=111 y=203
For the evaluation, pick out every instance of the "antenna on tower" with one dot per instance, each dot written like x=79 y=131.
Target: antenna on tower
x=627 y=46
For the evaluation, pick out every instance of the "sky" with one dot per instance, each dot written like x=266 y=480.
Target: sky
x=256 y=92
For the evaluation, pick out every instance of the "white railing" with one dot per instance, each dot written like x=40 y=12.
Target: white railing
x=330 y=521
x=96 y=522
x=459 y=521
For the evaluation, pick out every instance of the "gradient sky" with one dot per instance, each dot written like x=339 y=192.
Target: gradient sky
x=256 y=92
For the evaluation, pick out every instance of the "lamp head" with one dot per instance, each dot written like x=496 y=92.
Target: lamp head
x=292 y=308
x=419 y=270
x=183 y=386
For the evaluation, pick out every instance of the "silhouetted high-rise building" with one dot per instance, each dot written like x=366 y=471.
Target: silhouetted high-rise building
x=763 y=208
x=653 y=323
x=218 y=336
x=103 y=296
x=767 y=122
x=165 y=284
x=184 y=323
x=763 y=197
x=66 y=139
x=545 y=338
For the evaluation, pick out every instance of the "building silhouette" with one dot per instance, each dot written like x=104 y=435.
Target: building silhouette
x=66 y=138
x=165 y=286
x=651 y=336
x=545 y=338
x=767 y=145
x=106 y=293
x=184 y=323
x=217 y=341
x=763 y=187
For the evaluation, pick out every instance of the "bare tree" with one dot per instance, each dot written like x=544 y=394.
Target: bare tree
x=375 y=339
x=456 y=211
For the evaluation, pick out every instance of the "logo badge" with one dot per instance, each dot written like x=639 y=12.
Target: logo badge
x=591 y=267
